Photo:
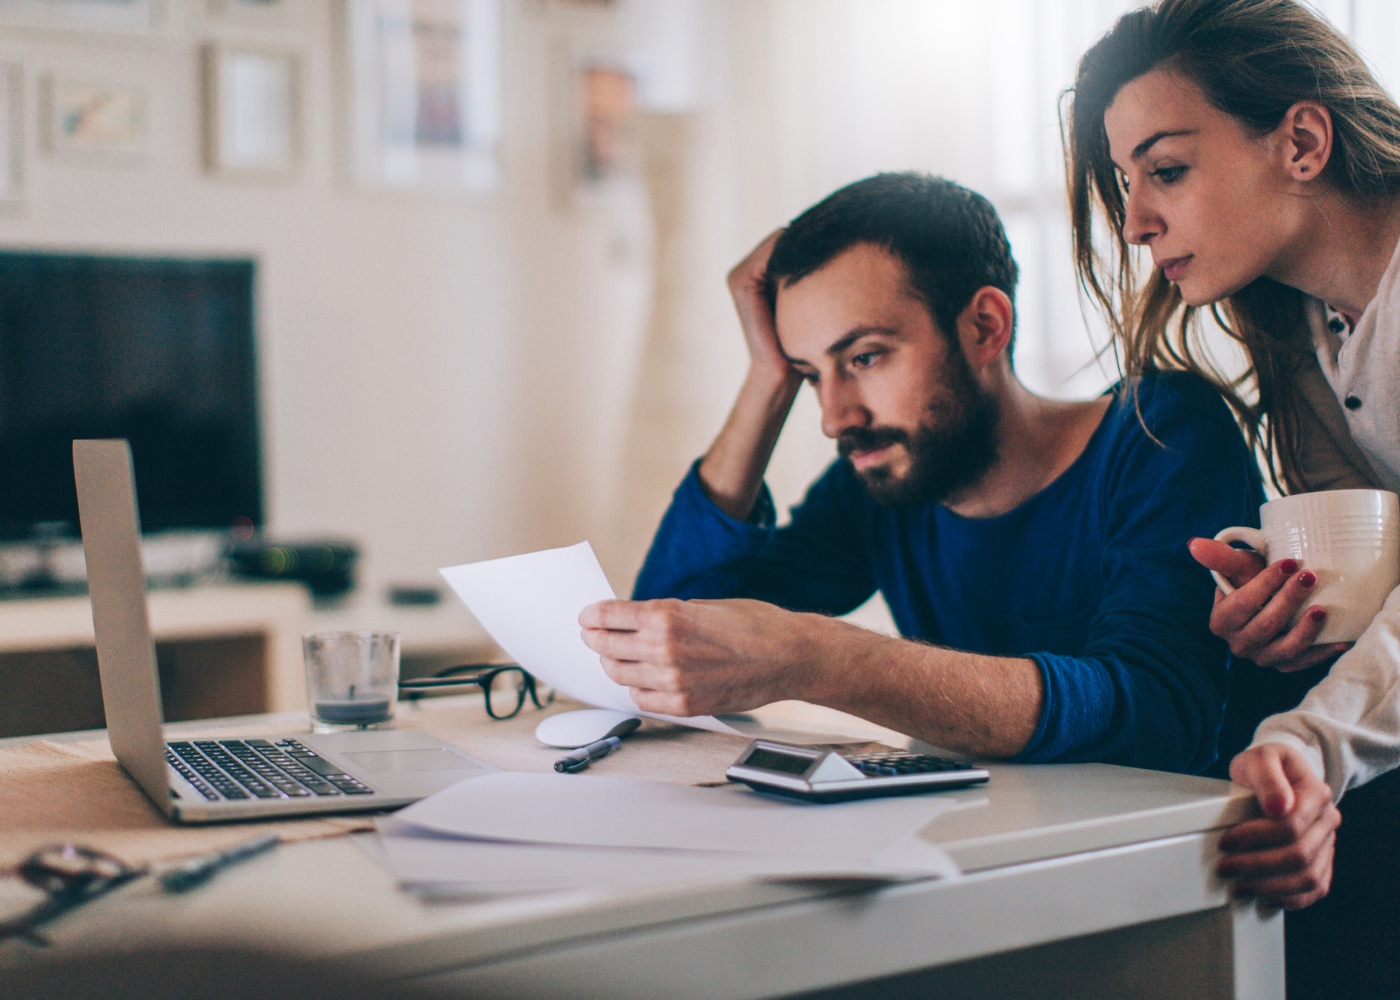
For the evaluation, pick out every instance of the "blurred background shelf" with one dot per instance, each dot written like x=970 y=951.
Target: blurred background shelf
x=223 y=650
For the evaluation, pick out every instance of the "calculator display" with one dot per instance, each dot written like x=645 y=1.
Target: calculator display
x=767 y=760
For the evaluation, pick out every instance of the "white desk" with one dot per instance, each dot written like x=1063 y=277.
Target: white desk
x=1081 y=880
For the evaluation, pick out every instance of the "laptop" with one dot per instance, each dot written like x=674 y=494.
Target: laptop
x=215 y=781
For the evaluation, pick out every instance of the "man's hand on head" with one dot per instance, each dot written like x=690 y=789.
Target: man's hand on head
x=732 y=470
x=746 y=286
x=701 y=657
x=1284 y=859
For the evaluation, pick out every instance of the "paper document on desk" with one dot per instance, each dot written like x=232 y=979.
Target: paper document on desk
x=436 y=864
x=530 y=604
x=595 y=811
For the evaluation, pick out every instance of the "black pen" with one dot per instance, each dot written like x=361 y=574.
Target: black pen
x=192 y=873
x=584 y=756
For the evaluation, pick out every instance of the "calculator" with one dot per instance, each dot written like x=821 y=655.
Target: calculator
x=816 y=775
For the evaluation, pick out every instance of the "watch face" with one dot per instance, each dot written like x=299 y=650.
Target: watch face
x=771 y=760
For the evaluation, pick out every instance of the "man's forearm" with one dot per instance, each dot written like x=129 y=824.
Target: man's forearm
x=732 y=470
x=703 y=657
x=986 y=706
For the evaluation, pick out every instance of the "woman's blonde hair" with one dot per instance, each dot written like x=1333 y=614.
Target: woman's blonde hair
x=1253 y=60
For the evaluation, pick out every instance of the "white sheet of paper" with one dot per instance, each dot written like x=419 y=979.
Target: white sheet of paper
x=595 y=811
x=441 y=864
x=530 y=604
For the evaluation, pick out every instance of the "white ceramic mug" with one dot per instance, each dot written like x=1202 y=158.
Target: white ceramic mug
x=1349 y=538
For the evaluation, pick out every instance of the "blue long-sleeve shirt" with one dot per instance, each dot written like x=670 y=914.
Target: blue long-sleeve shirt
x=1090 y=578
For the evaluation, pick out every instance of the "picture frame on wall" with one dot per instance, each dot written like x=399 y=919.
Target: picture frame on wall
x=252 y=117
x=95 y=121
x=233 y=6
x=568 y=8
x=127 y=17
x=593 y=131
x=584 y=12
x=424 y=93
x=11 y=134
x=605 y=142
x=253 y=12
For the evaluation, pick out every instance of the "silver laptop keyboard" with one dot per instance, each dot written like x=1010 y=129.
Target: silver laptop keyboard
x=262 y=769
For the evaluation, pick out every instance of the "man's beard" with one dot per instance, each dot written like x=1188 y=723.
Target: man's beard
x=948 y=453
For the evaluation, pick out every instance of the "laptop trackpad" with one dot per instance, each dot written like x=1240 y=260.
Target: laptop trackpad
x=409 y=760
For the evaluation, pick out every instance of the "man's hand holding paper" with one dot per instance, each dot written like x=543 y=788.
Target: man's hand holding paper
x=530 y=604
x=693 y=657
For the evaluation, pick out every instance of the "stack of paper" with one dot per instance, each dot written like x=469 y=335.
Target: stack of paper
x=513 y=832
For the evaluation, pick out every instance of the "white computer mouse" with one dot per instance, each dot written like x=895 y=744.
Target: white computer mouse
x=569 y=730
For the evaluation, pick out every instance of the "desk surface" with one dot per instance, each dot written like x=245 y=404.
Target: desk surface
x=329 y=898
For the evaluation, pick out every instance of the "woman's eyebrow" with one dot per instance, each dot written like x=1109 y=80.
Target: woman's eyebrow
x=1141 y=148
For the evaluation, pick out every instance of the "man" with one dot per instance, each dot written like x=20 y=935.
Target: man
x=1032 y=552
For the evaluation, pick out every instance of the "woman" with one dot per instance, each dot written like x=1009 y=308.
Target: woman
x=1245 y=144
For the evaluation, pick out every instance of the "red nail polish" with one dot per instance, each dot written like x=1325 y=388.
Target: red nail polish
x=1276 y=806
x=1289 y=566
x=1318 y=615
x=1308 y=579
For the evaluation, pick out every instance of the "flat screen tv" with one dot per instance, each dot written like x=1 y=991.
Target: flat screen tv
x=156 y=350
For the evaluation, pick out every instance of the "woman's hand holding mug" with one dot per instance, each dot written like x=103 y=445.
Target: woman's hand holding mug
x=1341 y=553
x=1254 y=616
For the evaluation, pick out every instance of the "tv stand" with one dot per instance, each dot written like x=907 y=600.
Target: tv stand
x=222 y=649
x=50 y=565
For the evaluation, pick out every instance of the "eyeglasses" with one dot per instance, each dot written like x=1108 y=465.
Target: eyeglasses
x=71 y=876
x=507 y=681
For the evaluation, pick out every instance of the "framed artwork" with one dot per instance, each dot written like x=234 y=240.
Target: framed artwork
x=566 y=9
x=95 y=120
x=131 y=17
x=594 y=144
x=250 y=11
x=11 y=134
x=606 y=142
x=236 y=6
x=251 y=112
x=424 y=93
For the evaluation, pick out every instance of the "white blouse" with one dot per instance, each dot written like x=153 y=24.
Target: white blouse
x=1348 y=726
x=1362 y=366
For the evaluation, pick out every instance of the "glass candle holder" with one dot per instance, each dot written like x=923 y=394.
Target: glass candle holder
x=352 y=680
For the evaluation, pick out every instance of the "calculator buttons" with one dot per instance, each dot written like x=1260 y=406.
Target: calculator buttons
x=891 y=764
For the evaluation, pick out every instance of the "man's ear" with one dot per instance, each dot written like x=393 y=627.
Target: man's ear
x=1305 y=140
x=985 y=326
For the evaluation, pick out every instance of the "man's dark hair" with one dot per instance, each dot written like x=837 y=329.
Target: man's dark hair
x=950 y=240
